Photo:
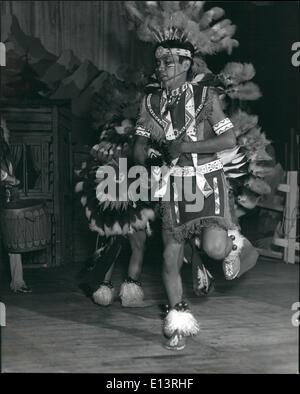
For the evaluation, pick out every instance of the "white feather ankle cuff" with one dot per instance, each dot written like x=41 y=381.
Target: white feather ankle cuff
x=131 y=294
x=181 y=321
x=104 y=295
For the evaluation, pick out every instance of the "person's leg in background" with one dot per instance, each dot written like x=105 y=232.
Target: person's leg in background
x=131 y=291
x=16 y=269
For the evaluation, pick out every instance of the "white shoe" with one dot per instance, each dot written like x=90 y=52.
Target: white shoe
x=176 y=342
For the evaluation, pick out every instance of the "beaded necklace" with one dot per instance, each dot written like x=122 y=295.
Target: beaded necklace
x=170 y=132
x=174 y=95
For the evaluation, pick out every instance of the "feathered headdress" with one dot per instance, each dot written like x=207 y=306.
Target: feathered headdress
x=185 y=21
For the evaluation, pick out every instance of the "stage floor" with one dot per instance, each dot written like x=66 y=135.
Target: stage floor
x=245 y=326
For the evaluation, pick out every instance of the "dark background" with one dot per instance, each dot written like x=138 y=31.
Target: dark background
x=266 y=32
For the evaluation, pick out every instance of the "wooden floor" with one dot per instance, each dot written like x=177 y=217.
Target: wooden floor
x=246 y=326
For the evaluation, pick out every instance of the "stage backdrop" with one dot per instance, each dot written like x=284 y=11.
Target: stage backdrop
x=94 y=30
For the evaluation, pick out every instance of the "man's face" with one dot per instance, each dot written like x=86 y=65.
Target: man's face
x=169 y=69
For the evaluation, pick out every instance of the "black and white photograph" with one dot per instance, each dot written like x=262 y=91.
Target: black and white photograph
x=149 y=194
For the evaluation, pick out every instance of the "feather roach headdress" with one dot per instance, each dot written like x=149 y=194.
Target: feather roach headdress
x=184 y=21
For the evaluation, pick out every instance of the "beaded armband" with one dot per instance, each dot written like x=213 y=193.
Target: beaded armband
x=222 y=126
x=142 y=132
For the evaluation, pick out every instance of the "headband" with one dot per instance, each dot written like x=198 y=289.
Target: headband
x=161 y=51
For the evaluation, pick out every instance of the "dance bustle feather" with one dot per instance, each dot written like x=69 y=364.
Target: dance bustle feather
x=245 y=167
x=261 y=171
x=236 y=73
x=115 y=214
x=236 y=77
x=254 y=139
x=243 y=122
x=248 y=91
x=257 y=185
x=158 y=21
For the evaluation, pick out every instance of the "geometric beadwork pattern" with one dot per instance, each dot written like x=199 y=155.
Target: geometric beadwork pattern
x=217 y=196
x=222 y=126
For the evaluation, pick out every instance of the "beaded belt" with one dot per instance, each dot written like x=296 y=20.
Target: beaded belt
x=192 y=171
x=199 y=172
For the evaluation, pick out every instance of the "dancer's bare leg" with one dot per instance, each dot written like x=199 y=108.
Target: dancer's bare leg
x=16 y=269
x=179 y=322
x=131 y=291
x=137 y=243
x=173 y=259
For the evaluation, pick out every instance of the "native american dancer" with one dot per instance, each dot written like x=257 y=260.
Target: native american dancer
x=187 y=112
x=114 y=216
x=187 y=118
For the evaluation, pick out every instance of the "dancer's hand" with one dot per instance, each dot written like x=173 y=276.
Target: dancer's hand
x=174 y=149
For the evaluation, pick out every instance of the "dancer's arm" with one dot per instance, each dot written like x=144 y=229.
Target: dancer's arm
x=140 y=149
x=224 y=139
x=212 y=145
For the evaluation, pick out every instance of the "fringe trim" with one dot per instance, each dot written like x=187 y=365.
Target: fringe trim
x=181 y=321
x=188 y=230
x=192 y=228
x=118 y=228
